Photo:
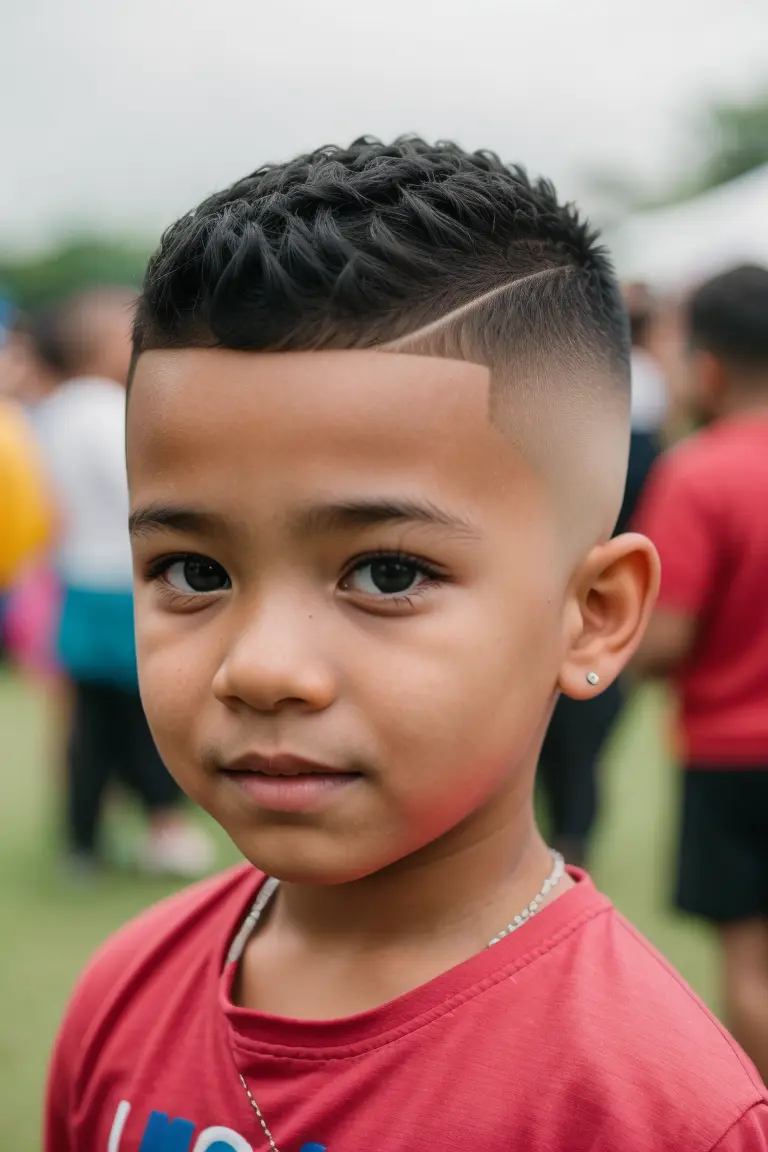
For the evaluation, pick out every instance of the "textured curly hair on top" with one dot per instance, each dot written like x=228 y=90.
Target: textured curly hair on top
x=364 y=246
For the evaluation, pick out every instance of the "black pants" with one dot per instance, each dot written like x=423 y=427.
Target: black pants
x=722 y=869
x=110 y=739
x=568 y=767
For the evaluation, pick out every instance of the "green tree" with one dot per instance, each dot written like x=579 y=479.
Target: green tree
x=726 y=140
x=732 y=139
x=80 y=262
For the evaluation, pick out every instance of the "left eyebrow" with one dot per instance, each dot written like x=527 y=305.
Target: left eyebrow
x=348 y=515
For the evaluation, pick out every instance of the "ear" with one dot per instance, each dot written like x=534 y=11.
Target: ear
x=612 y=598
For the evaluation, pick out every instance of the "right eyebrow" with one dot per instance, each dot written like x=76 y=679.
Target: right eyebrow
x=174 y=517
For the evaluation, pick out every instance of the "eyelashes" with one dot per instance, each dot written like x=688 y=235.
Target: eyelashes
x=389 y=575
x=383 y=576
x=201 y=575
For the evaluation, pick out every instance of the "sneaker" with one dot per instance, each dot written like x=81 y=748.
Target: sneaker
x=184 y=851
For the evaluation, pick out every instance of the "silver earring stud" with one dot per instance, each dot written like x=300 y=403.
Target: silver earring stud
x=593 y=678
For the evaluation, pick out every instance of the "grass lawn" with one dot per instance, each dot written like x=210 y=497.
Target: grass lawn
x=48 y=927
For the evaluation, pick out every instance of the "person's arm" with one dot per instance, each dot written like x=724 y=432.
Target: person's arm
x=677 y=515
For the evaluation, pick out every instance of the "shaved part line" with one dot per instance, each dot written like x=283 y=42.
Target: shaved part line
x=439 y=326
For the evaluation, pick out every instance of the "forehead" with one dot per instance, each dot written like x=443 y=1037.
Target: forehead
x=204 y=416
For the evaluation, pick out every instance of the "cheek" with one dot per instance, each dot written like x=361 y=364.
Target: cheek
x=173 y=683
x=166 y=693
x=470 y=701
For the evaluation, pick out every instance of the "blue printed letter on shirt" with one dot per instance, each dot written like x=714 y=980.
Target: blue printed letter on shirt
x=165 y=1135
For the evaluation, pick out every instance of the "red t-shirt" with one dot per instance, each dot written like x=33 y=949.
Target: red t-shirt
x=706 y=510
x=567 y=1036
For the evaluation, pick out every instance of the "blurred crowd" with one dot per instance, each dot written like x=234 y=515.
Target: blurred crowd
x=66 y=573
x=699 y=376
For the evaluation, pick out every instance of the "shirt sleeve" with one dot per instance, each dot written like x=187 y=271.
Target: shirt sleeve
x=71 y=1044
x=676 y=513
x=58 y=1094
x=749 y=1134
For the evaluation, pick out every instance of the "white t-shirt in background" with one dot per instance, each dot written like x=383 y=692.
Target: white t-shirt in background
x=82 y=432
x=650 y=399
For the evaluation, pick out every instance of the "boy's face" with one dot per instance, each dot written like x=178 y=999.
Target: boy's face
x=340 y=560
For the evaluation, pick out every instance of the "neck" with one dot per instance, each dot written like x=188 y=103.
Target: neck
x=477 y=877
x=747 y=397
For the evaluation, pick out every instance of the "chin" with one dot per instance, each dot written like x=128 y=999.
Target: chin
x=295 y=859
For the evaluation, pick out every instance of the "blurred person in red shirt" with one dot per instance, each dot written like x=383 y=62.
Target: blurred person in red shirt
x=706 y=510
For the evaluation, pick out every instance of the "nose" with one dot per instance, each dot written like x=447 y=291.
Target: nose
x=277 y=661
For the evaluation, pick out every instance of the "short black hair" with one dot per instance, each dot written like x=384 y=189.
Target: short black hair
x=359 y=247
x=728 y=316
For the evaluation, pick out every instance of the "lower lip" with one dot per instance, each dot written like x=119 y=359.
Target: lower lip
x=291 y=793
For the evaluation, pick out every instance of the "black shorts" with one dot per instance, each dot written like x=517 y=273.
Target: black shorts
x=722 y=872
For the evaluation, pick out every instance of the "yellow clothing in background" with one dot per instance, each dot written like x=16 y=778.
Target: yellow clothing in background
x=25 y=509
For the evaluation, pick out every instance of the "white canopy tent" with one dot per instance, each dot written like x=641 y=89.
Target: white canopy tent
x=673 y=248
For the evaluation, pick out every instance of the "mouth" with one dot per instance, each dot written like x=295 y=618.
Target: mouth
x=285 y=783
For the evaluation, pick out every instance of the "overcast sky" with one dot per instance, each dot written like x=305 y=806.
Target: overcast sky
x=124 y=113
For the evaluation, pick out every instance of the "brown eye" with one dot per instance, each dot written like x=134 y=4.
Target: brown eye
x=197 y=575
x=387 y=576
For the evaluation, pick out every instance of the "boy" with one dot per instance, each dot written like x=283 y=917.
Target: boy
x=705 y=510
x=377 y=435
x=86 y=339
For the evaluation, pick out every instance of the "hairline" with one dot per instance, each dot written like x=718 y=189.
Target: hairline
x=408 y=342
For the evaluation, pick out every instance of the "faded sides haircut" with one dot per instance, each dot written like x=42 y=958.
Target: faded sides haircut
x=424 y=249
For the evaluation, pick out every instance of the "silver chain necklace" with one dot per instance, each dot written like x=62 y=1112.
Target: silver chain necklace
x=267 y=891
